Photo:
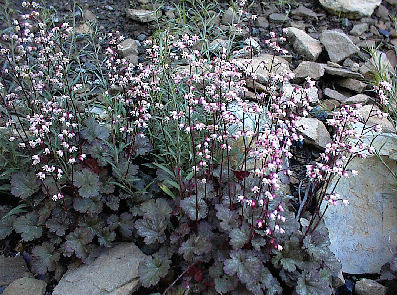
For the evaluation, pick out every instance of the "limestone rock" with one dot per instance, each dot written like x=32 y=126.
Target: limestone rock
x=313 y=131
x=114 y=272
x=369 y=287
x=26 y=286
x=351 y=8
x=305 y=45
x=338 y=45
x=309 y=69
x=11 y=269
x=141 y=15
x=363 y=234
x=352 y=84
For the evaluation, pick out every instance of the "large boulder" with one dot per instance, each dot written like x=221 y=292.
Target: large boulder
x=351 y=8
x=363 y=234
x=114 y=272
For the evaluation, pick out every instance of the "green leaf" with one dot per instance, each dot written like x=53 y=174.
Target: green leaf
x=270 y=283
x=126 y=224
x=26 y=225
x=225 y=284
x=77 y=242
x=245 y=264
x=142 y=145
x=240 y=236
x=151 y=270
x=100 y=152
x=6 y=222
x=189 y=207
x=58 y=223
x=165 y=189
x=15 y=211
x=152 y=229
x=92 y=130
x=44 y=258
x=156 y=207
x=87 y=205
x=228 y=219
x=87 y=182
x=23 y=185
x=195 y=246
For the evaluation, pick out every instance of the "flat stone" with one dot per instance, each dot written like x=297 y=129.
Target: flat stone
x=141 y=15
x=338 y=45
x=313 y=131
x=382 y=12
x=363 y=233
x=352 y=84
x=26 y=286
x=304 y=12
x=359 y=29
x=333 y=94
x=309 y=69
x=368 y=112
x=305 y=45
x=353 y=9
x=114 y=272
x=369 y=287
x=278 y=18
x=11 y=269
x=341 y=72
x=357 y=99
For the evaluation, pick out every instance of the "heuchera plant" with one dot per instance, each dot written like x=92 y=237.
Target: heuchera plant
x=185 y=160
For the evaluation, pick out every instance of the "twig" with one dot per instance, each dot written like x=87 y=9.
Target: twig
x=178 y=278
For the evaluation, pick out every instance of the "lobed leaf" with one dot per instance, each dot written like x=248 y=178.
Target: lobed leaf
x=87 y=182
x=24 y=184
x=45 y=258
x=151 y=270
x=189 y=207
x=26 y=225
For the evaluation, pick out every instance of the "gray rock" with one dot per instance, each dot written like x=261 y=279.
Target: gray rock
x=379 y=59
x=367 y=44
x=88 y=16
x=129 y=46
x=341 y=72
x=114 y=272
x=351 y=8
x=141 y=15
x=230 y=17
x=382 y=12
x=392 y=2
x=368 y=113
x=369 y=287
x=262 y=64
x=352 y=84
x=309 y=69
x=358 y=98
x=359 y=29
x=278 y=18
x=338 y=45
x=304 y=13
x=363 y=234
x=334 y=94
x=11 y=269
x=219 y=44
x=26 y=286
x=313 y=131
x=305 y=45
